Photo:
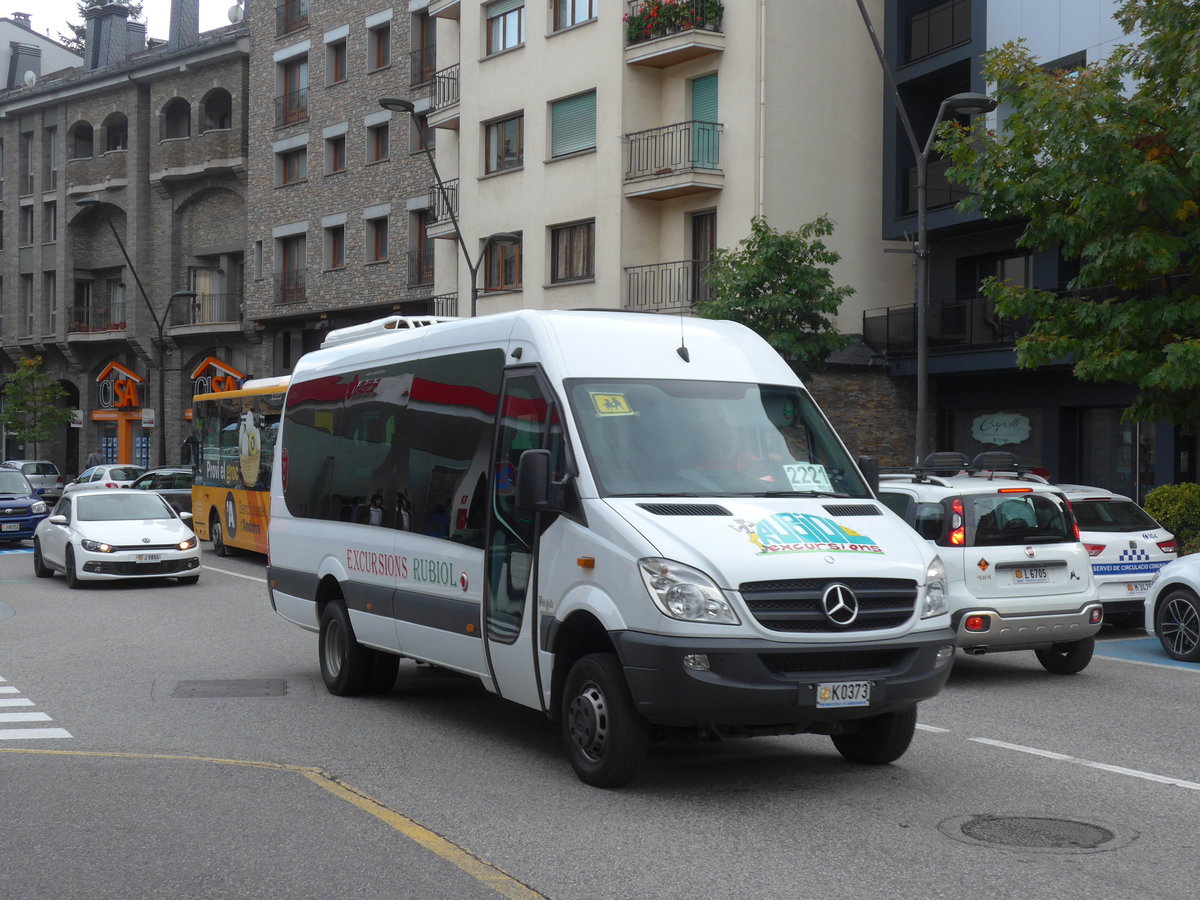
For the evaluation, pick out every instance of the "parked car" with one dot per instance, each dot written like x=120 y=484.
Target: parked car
x=104 y=477
x=1019 y=578
x=1172 y=610
x=105 y=534
x=1126 y=547
x=171 y=482
x=21 y=507
x=41 y=474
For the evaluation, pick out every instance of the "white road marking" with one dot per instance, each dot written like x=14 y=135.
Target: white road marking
x=24 y=717
x=9 y=690
x=24 y=734
x=236 y=574
x=934 y=728
x=1105 y=767
x=19 y=701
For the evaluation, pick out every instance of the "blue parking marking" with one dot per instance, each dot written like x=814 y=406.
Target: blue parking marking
x=1145 y=650
x=20 y=548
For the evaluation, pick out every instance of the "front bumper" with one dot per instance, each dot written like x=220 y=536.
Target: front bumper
x=1031 y=631
x=125 y=565
x=24 y=530
x=754 y=683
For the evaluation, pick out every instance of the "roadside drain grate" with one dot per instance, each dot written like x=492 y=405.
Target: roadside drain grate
x=245 y=687
x=1034 y=833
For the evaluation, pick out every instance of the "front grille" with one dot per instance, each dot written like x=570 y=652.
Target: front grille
x=794 y=605
x=835 y=662
x=685 y=509
x=146 y=548
x=167 y=567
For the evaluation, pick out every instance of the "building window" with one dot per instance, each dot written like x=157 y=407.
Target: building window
x=1 y=164
x=573 y=12
x=335 y=247
x=502 y=267
x=505 y=143
x=505 y=25
x=290 y=15
x=573 y=124
x=377 y=142
x=292 y=268
x=377 y=239
x=50 y=152
x=572 y=252
x=28 y=164
x=937 y=28
x=26 y=237
x=335 y=154
x=116 y=133
x=335 y=62
x=49 y=223
x=292 y=166
x=26 y=317
x=424 y=48
x=216 y=110
x=177 y=119
x=292 y=103
x=379 y=47
x=50 y=302
x=79 y=140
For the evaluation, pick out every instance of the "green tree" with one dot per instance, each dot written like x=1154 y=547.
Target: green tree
x=1103 y=163
x=77 y=33
x=778 y=284
x=30 y=409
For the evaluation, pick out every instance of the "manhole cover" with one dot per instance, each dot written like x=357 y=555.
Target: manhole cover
x=246 y=687
x=1036 y=833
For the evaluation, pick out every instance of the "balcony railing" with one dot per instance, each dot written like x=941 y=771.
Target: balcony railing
x=650 y=19
x=420 y=266
x=445 y=87
x=440 y=211
x=90 y=319
x=291 y=107
x=290 y=286
x=290 y=15
x=666 y=287
x=421 y=65
x=939 y=190
x=443 y=305
x=207 y=309
x=962 y=325
x=668 y=149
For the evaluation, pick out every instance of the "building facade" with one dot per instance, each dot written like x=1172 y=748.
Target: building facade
x=124 y=211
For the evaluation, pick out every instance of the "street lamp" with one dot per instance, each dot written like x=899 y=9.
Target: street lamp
x=399 y=104
x=159 y=323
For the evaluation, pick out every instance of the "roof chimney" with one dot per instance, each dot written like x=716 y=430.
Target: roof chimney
x=22 y=19
x=185 y=24
x=135 y=37
x=105 y=38
x=23 y=58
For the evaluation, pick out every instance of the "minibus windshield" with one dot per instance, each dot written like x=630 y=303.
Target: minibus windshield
x=667 y=438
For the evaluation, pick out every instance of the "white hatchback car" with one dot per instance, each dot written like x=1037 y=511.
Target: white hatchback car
x=1172 y=610
x=105 y=534
x=115 y=476
x=1127 y=547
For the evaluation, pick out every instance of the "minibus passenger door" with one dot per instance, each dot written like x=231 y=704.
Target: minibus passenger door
x=510 y=620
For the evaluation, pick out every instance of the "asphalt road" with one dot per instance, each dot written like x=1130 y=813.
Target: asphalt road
x=121 y=776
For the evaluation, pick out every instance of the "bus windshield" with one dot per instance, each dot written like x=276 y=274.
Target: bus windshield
x=663 y=438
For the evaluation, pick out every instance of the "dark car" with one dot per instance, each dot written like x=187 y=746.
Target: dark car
x=21 y=507
x=174 y=483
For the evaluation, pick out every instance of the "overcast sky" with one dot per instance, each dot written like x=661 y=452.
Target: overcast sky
x=50 y=17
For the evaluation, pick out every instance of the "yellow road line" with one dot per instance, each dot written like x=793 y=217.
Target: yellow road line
x=496 y=879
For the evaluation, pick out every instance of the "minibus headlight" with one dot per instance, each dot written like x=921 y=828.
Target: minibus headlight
x=684 y=593
x=936 y=602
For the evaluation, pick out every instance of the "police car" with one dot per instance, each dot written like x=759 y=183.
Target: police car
x=1019 y=577
x=1127 y=548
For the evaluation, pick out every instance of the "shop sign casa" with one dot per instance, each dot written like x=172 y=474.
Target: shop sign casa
x=117 y=388
x=213 y=376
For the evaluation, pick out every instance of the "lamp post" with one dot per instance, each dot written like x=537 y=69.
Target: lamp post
x=968 y=103
x=159 y=323
x=399 y=104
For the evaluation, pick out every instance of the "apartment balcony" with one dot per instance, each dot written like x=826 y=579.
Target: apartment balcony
x=673 y=161
x=422 y=63
x=444 y=9
x=440 y=224
x=291 y=108
x=443 y=305
x=206 y=313
x=970 y=324
x=96 y=173
x=211 y=153
x=940 y=191
x=290 y=287
x=420 y=266
x=96 y=323
x=669 y=287
x=443 y=108
x=658 y=35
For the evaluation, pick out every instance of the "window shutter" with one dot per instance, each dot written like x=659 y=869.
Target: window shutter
x=500 y=7
x=573 y=124
x=704 y=99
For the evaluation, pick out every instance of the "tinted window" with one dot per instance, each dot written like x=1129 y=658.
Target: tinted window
x=113 y=506
x=897 y=503
x=1002 y=519
x=1112 y=515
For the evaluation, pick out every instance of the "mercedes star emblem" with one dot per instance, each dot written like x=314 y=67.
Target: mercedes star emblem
x=840 y=604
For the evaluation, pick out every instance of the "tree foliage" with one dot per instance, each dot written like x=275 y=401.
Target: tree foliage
x=778 y=284
x=77 y=32
x=1104 y=164
x=30 y=409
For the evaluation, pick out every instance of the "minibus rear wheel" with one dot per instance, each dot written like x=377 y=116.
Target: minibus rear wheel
x=880 y=739
x=345 y=663
x=604 y=736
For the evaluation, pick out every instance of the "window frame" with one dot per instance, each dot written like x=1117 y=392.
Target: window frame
x=491 y=132
x=335 y=152
x=379 y=46
x=375 y=144
x=293 y=166
x=335 y=247
x=337 y=61
x=575 y=119
x=565 y=9
x=494 y=263
x=502 y=20
x=375 y=239
x=573 y=233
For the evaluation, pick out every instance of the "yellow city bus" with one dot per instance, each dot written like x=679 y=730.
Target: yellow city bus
x=233 y=447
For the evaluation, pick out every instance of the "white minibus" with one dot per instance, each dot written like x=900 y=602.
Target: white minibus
x=641 y=525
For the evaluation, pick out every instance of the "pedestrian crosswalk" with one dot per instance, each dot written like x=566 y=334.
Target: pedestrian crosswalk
x=15 y=709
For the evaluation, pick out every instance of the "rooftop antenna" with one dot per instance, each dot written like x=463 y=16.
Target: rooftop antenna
x=682 y=349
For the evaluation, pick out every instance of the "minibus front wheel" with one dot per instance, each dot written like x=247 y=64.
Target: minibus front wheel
x=347 y=667
x=604 y=736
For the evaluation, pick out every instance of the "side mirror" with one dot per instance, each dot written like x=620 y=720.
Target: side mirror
x=39 y=491
x=185 y=515
x=869 y=466
x=533 y=480
x=58 y=520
